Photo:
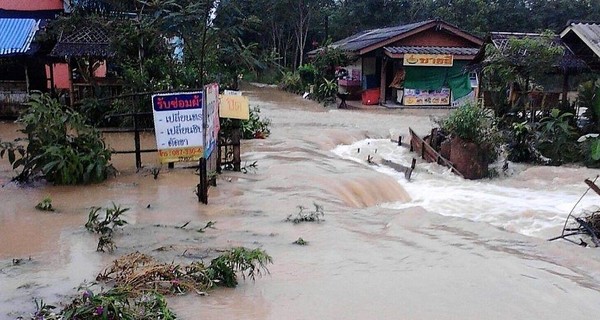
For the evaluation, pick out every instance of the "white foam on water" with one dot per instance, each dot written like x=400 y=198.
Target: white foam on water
x=534 y=209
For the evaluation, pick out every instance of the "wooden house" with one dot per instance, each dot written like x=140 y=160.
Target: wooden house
x=418 y=64
x=22 y=56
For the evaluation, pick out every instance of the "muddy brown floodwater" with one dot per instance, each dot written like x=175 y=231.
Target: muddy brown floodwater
x=365 y=261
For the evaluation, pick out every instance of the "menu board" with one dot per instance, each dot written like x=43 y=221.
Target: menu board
x=419 y=97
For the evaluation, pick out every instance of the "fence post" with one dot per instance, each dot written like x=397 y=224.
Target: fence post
x=136 y=138
x=236 y=139
x=202 y=191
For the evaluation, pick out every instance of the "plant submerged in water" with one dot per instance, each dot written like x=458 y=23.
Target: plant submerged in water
x=45 y=205
x=315 y=215
x=106 y=227
x=474 y=124
x=253 y=128
x=60 y=147
x=140 y=284
x=556 y=138
x=117 y=303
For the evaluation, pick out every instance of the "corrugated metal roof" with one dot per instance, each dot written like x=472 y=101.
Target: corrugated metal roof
x=588 y=33
x=459 y=51
x=501 y=40
x=366 y=38
x=16 y=35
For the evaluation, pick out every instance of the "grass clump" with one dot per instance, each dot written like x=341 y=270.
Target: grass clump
x=304 y=215
x=139 y=284
x=142 y=273
x=300 y=242
x=45 y=205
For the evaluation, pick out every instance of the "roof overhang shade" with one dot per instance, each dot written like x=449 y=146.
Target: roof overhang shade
x=16 y=36
x=458 y=53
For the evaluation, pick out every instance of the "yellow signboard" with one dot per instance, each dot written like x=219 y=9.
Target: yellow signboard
x=429 y=60
x=234 y=107
x=180 y=154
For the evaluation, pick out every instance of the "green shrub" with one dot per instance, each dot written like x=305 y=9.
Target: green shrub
x=326 y=60
x=326 y=91
x=290 y=81
x=60 y=147
x=471 y=123
x=556 y=138
x=521 y=140
x=588 y=97
x=253 y=128
x=308 y=74
x=590 y=150
x=474 y=124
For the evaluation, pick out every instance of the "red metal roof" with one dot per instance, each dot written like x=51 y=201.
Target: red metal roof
x=31 y=5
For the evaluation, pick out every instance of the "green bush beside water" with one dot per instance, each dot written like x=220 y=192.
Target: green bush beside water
x=60 y=146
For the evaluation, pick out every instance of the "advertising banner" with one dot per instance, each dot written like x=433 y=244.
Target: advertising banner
x=211 y=108
x=178 y=126
x=417 y=97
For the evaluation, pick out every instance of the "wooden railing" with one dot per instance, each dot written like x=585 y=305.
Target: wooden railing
x=427 y=152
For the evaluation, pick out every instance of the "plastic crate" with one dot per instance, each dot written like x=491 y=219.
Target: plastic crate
x=370 y=96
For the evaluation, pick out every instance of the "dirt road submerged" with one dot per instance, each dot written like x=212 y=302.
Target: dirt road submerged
x=363 y=262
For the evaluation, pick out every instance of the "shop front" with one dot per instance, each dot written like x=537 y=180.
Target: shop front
x=422 y=79
x=419 y=64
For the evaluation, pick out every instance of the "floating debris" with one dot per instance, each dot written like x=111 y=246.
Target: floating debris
x=587 y=225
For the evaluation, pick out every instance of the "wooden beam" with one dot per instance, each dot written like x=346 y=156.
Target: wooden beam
x=383 y=78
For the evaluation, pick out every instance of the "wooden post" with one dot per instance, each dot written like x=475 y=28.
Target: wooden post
x=136 y=139
x=202 y=190
x=71 y=87
x=383 y=80
x=565 y=91
x=236 y=139
x=51 y=77
x=26 y=78
x=399 y=140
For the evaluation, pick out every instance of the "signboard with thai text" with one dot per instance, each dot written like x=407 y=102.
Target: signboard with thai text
x=429 y=60
x=417 y=97
x=211 y=107
x=234 y=107
x=178 y=125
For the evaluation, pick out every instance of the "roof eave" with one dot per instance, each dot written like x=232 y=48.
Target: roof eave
x=587 y=41
x=455 y=57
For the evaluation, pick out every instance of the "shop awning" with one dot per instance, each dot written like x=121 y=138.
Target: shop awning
x=16 y=36
x=399 y=52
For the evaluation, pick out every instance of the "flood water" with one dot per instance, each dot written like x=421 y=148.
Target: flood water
x=437 y=247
